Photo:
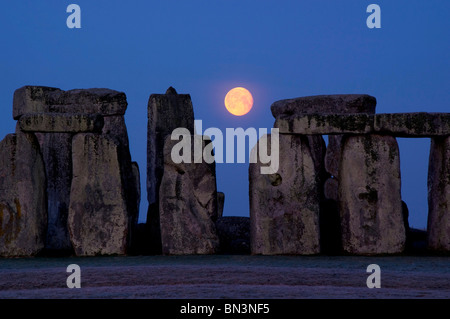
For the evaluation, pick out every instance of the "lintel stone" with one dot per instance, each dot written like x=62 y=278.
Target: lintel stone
x=419 y=124
x=41 y=99
x=61 y=123
x=329 y=124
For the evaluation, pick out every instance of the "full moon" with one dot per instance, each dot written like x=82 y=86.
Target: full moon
x=238 y=101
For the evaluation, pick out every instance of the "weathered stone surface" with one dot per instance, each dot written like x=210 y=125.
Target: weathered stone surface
x=23 y=207
x=57 y=154
x=284 y=206
x=41 y=99
x=234 y=234
x=327 y=124
x=98 y=217
x=439 y=195
x=396 y=124
x=325 y=104
x=187 y=205
x=115 y=128
x=419 y=124
x=61 y=123
x=166 y=112
x=369 y=195
x=220 y=204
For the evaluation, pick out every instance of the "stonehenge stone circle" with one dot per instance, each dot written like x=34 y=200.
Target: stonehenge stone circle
x=68 y=185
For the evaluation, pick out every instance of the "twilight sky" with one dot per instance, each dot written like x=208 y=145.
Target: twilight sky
x=276 y=49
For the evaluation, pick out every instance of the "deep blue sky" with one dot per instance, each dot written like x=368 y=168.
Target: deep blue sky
x=276 y=49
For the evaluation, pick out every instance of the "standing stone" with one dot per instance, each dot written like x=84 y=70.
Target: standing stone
x=188 y=204
x=439 y=195
x=284 y=206
x=115 y=128
x=98 y=217
x=166 y=112
x=23 y=207
x=370 y=198
x=57 y=154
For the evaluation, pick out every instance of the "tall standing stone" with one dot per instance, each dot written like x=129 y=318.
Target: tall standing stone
x=115 y=128
x=98 y=216
x=166 y=112
x=188 y=203
x=57 y=154
x=370 y=195
x=284 y=206
x=23 y=207
x=439 y=195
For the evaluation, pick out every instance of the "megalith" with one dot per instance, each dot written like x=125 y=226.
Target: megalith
x=188 y=202
x=370 y=196
x=23 y=206
x=166 y=112
x=285 y=205
x=55 y=116
x=438 y=229
x=98 y=218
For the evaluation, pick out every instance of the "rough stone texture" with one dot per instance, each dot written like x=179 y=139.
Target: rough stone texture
x=413 y=124
x=115 y=128
x=284 y=206
x=41 y=99
x=61 y=123
x=23 y=207
x=98 y=217
x=327 y=124
x=439 y=195
x=220 y=204
x=369 y=194
x=187 y=205
x=396 y=124
x=234 y=234
x=57 y=154
x=166 y=112
x=325 y=104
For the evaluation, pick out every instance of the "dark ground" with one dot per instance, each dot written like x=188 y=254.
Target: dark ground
x=226 y=276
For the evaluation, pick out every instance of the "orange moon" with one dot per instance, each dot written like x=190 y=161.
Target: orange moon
x=239 y=101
